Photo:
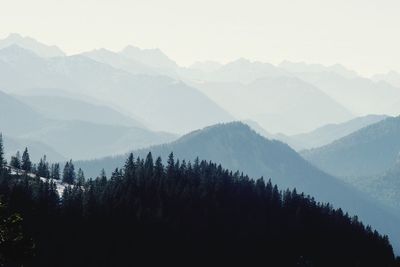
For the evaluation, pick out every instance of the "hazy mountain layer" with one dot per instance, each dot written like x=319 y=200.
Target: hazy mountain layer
x=278 y=104
x=71 y=138
x=391 y=77
x=359 y=95
x=65 y=108
x=144 y=96
x=384 y=187
x=33 y=45
x=36 y=149
x=330 y=132
x=369 y=151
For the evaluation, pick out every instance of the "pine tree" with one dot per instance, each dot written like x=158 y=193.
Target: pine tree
x=171 y=166
x=80 y=177
x=26 y=163
x=43 y=168
x=55 y=171
x=129 y=168
x=69 y=173
x=149 y=165
x=2 y=159
x=103 y=176
x=15 y=161
x=159 y=168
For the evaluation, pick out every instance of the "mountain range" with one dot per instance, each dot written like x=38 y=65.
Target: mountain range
x=65 y=134
x=274 y=103
x=29 y=43
x=107 y=75
x=103 y=103
x=142 y=95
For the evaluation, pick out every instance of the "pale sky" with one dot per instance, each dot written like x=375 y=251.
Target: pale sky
x=360 y=34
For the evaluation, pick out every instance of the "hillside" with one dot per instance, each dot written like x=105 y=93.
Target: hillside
x=180 y=212
x=392 y=77
x=384 y=187
x=36 y=149
x=16 y=117
x=68 y=108
x=237 y=147
x=60 y=133
x=119 y=61
x=367 y=152
x=330 y=132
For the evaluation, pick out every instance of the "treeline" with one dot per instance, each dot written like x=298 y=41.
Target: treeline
x=181 y=213
x=45 y=170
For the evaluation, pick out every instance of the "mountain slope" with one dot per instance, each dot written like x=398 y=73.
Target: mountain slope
x=154 y=58
x=120 y=61
x=31 y=44
x=357 y=94
x=369 y=151
x=237 y=147
x=16 y=117
x=85 y=140
x=36 y=149
x=278 y=104
x=70 y=138
x=239 y=71
x=331 y=132
x=144 y=96
x=65 y=108
x=392 y=77
x=384 y=187
x=302 y=67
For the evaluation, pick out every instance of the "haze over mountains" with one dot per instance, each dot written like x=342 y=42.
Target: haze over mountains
x=85 y=76
x=328 y=133
x=29 y=43
x=103 y=103
x=314 y=84
x=65 y=134
x=368 y=151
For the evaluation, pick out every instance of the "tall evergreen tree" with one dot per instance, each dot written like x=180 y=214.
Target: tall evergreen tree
x=69 y=173
x=171 y=165
x=149 y=165
x=2 y=159
x=129 y=168
x=80 y=177
x=43 y=168
x=15 y=161
x=26 y=163
x=55 y=171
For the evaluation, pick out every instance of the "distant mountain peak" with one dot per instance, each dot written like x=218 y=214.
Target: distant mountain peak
x=151 y=57
x=31 y=44
x=15 y=36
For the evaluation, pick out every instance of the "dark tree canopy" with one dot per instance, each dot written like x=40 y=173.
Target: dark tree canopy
x=15 y=161
x=2 y=159
x=26 y=163
x=184 y=213
x=69 y=174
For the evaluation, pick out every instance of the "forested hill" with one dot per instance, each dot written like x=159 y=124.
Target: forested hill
x=180 y=213
x=369 y=151
x=236 y=147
